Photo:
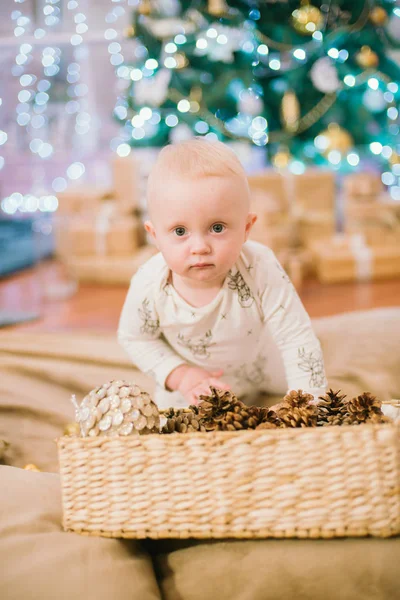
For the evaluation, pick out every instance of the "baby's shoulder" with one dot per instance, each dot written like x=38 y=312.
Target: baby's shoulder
x=256 y=257
x=152 y=271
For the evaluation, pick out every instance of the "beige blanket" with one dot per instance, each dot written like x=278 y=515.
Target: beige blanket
x=39 y=372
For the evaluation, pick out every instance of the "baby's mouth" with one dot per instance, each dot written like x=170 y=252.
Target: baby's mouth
x=201 y=265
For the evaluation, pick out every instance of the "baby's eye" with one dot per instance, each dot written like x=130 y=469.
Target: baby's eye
x=218 y=228
x=180 y=231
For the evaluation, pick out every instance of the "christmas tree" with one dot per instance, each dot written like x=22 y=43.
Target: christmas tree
x=308 y=83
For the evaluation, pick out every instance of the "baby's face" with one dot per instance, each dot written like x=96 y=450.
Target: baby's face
x=200 y=225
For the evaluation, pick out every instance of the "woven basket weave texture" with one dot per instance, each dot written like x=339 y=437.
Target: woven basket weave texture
x=319 y=482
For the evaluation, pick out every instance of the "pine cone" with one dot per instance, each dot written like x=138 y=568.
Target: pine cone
x=117 y=408
x=267 y=425
x=366 y=408
x=377 y=418
x=222 y=411
x=182 y=421
x=331 y=408
x=296 y=410
x=268 y=419
x=215 y=407
x=297 y=398
x=240 y=417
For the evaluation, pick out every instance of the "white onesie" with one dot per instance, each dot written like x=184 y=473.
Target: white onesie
x=256 y=329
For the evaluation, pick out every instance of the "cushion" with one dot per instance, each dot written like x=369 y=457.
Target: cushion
x=345 y=569
x=3 y=449
x=362 y=351
x=41 y=562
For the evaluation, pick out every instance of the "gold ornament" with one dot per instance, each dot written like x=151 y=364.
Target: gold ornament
x=367 y=58
x=181 y=60
x=337 y=138
x=72 y=429
x=32 y=467
x=307 y=19
x=217 y=8
x=145 y=7
x=290 y=111
x=129 y=32
x=394 y=159
x=116 y=408
x=378 y=16
x=282 y=158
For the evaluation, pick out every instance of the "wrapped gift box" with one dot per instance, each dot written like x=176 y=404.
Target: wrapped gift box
x=108 y=270
x=81 y=198
x=126 y=181
x=392 y=205
x=382 y=236
x=116 y=236
x=277 y=237
x=313 y=191
x=376 y=233
x=355 y=210
x=315 y=226
x=351 y=259
x=377 y=221
x=363 y=186
x=291 y=256
x=267 y=209
x=271 y=186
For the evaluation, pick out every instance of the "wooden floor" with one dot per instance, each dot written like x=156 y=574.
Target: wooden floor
x=97 y=308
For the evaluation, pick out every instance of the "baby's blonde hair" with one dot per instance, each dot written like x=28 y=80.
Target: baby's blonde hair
x=196 y=157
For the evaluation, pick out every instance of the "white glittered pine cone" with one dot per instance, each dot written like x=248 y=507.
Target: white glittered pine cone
x=117 y=408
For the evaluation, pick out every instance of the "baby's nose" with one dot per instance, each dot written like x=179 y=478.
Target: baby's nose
x=199 y=245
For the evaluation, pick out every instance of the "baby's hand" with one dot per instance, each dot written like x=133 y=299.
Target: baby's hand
x=196 y=381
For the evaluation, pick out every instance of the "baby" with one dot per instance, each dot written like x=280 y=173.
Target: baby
x=212 y=308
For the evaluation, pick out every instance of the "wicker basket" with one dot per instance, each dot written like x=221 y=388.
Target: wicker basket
x=306 y=483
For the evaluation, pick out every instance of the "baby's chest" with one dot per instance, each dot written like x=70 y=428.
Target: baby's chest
x=229 y=327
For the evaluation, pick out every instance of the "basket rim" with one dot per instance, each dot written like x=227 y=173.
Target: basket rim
x=246 y=434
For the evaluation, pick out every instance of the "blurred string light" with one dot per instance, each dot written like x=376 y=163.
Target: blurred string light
x=35 y=93
x=50 y=60
x=125 y=74
x=3 y=140
x=77 y=90
x=110 y=34
x=29 y=203
x=22 y=24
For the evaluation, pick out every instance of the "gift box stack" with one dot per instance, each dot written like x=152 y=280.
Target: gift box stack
x=297 y=219
x=369 y=247
x=293 y=212
x=99 y=231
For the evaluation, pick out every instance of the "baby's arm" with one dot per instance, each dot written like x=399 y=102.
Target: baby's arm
x=139 y=330
x=289 y=323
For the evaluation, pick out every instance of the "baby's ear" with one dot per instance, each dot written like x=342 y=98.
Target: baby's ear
x=251 y=219
x=149 y=227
